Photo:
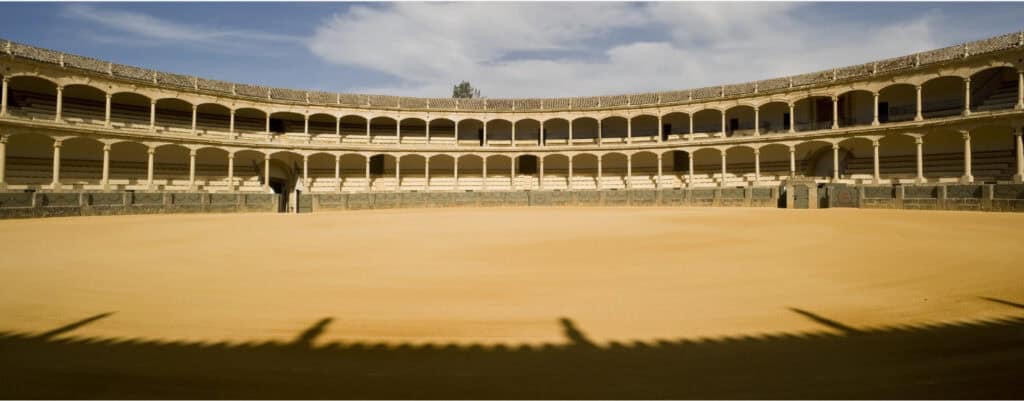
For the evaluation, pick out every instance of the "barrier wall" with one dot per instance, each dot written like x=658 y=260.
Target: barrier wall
x=55 y=204
x=977 y=197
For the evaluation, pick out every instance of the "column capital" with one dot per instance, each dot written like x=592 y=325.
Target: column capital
x=231 y=156
x=874 y=143
x=835 y=146
x=106 y=147
x=152 y=102
x=757 y=151
x=835 y=98
x=58 y=142
x=917 y=87
x=1018 y=131
x=267 y=158
x=876 y=94
x=967 y=79
x=194 y=107
x=919 y=140
x=109 y=95
x=60 y=88
x=6 y=79
x=3 y=138
x=192 y=153
x=965 y=134
x=151 y=150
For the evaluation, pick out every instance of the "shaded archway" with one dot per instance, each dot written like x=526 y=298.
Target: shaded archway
x=213 y=117
x=128 y=109
x=942 y=97
x=527 y=132
x=613 y=171
x=584 y=130
x=442 y=131
x=470 y=132
x=499 y=172
x=84 y=104
x=774 y=117
x=31 y=97
x=675 y=126
x=173 y=115
x=248 y=171
x=707 y=123
x=644 y=174
x=613 y=129
x=556 y=172
x=250 y=123
x=470 y=173
x=645 y=128
x=323 y=128
x=353 y=173
x=856 y=107
x=414 y=131
x=354 y=129
x=813 y=113
x=556 y=131
x=442 y=173
x=994 y=89
x=739 y=121
x=128 y=166
x=897 y=102
x=499 y=133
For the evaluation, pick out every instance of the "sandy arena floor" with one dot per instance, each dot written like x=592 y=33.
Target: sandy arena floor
x=506 y=276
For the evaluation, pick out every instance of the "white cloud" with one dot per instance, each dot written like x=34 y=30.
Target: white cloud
x=428 y=47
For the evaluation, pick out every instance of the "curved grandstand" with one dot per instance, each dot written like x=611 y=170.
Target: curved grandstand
x=87 y=135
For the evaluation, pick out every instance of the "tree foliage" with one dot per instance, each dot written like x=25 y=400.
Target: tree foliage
x=465 y=91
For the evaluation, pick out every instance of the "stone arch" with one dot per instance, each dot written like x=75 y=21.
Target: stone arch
x=31 y=96
x=707 y=122
x=774 y=117
x=353 y=129
x=287 y=122
x=173 y=114
x=994 y=88
x=84 y=103
x=130 y=109
x=856 y=107
x=814 y=158
x=813 y=113
x=556 y=131
x=470 y=130
x=613 y=170
x=212 y=117
x=897 y=102
x=499 y=132
x=613 y=129
x=584 y=130
x=739 y=121
x=942 y=97
x=676 y=125
x=442 y=131
x=527 y=132
x=645 y=127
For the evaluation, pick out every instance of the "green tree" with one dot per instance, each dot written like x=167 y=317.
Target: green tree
x=465 y=91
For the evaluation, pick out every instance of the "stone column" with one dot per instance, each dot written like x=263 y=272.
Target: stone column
x=305 y=171
x=455 y=172
x=3 y=98
x=337 y=172
x=757 y=166
x=570 y=132
x=689 y=118
x=792 y=162
x=874 y=119
x=967 y=96
x=427 y=132
x=3 y=160
x=56 y=164
x=484 y=174
x=266 y=172
x=105 y=181
x=305 y=127
x=722 y=183
x=919 y=116
x=106 y=113
x=192 y=169
x=60 y=104
x=968 y=177
x=194 y=109
x=267 y=127
x=514 y=133
x=231 y=123
x=661 y=129
x=569 y=182
x=367 y=130
x=877 y=177
x=149 y=167
x=689 y=181
x=152 y=115
x=1017 y=178
x=599 y=172
x=920 y=159
x=835 y=112
x=600 y=134
x=512 y=175
x=835 y=162
x=629 y=130
x=540 y=173
x=398 y=169
x=485 y=133
x=757 y=121
x=1020 y=90
x=792 y=118
x=368 y=174
x=398 y=131
x=426 y=172
x=456 y=133
x=541 y=134
x=231 y=172
x=657 y=182
x=337 y=128
x=629 y=171
x=723 y=124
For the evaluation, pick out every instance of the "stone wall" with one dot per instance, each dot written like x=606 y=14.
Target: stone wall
x=976 y=197
x=56 y=204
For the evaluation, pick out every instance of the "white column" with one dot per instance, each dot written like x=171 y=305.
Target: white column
x=305 y=171
x=569 y=182
x=152 y=115
x=792 y=161
x=968 y=177
x=835 y=112
x=689 y=172
x=305 y=127
x=967 y=96
x=106 y=113
x=690 y=119
x=456 y=133
x=3 y=98
x=192 y=169
x=231 y=172
x=3 y=160
x=56 y=164
x=398 y=169
x=1020 y=90
x=541 y=135
x=600 y=134
x=149 y=167
x=485 y=133
x=427 y=134
x=194 y=108
x=337 y=173
x=337 y=128
x=398 y=131
x=835 y=162
x=105 y=181
x=920 y=159
x=455 y=172
x=367 y=130
x=484 y=173
x=368 y=174
x=874 y=119
x=60 y=104
x=570 y=132
x=540 y=172
x=878 y=176
x=266 y=172
x=661 y=129
x=629 y=171
x=657 y=182
x=723 y=124
x=512 y=175
x=629 y=130
x=266 y=128
x=513 y=134
x=599 y=172
x=426 y=172
x=1017 y=178
x=757 y=166
x=231 y=123
x=722 y=183
x=918 y=116
x=757 y=121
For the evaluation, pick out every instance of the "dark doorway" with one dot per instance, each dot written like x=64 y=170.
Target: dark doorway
x=781 y=202
x=377 y=165
x=734 y=124
x=666 y=130
x=527 y=164
x=785 y=121
x=680 y=160
x=480 y=136
x=823 y=196
x=278 y=185
x=883 y=112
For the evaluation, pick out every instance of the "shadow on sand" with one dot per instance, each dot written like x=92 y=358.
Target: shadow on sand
x=977 y=359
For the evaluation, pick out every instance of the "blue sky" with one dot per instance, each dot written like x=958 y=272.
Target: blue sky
x=505 y=49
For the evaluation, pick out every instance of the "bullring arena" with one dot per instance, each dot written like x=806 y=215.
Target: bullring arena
x=210 y=239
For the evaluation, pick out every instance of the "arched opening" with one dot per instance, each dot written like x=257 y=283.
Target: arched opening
x=674 y=166
x=645 y=170
x=31 y=97
x=171 y=168
x=774 y=163
x=499 y=173
x=814 y=159
x=739 y=166
x=739 y=121
x=526 y=175
x=774 y=117
x=707 y=167
x=248 y=174
x=584 y=130
x=813 y=113
x=352 y=171
x=83 y=104
x=413 y=131
x=943 y=155
x=128 y=166
x=993 y=154
x=613 y=129
x=212 y=117
x=556 y=131
x=499 y=133
x=442 y=131
x=129 y=110
x=173 y=115
x=896 y=103
x=321 y=173
x=288 y=125
x=942 y=97
x=856 y=160
x=471 y=132
x=412 y=176
x=382 y=172
x=556 y=172
x=250 y=123
x=675 y=126
x=856 y=107
x=383 y=130
x=897 y=156
x=994 y=89
x=212 y=169
x=442 y=173
x=527 y=132
x=81 y=164
x=613 y=171
x=584 y=171
x=282 y=179
x=645 y=128
x=322 y=128
x=470 y=173
x=707 y=123
x=29 y=161
x=353 y=129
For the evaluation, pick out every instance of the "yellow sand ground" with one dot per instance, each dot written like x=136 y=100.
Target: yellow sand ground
x=506 y=275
